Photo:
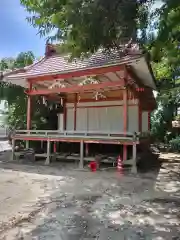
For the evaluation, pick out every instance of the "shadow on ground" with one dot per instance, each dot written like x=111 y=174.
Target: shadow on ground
x=103 y=205
x=38 y=167
x=116 y=211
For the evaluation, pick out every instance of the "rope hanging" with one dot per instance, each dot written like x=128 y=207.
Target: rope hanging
x=99 y=95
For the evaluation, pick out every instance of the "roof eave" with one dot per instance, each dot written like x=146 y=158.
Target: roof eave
x=134 y=59
x=147 y=59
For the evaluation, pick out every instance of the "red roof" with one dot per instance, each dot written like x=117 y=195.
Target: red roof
x=54 y=63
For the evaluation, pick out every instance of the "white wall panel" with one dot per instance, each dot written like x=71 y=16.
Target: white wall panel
x=70 y=119
x=81 y=119
x=61 y=122
x=115 y=118
x=93 y=119
x=104 y=118
x=133 y=125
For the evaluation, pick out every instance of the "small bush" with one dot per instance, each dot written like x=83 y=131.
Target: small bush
x=175 y=144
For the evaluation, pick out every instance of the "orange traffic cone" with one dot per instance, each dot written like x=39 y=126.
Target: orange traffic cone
x=119 y=165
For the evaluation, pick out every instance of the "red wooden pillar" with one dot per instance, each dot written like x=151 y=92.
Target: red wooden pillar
x=64 y=113
x=125 y=119
x=75 y=111
x=149 y=120
x=29 y=109
x=54 y=148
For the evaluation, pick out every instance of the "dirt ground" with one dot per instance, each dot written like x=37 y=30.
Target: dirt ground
x=59 y=203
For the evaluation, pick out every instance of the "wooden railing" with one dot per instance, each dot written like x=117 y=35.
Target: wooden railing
x=78 y=134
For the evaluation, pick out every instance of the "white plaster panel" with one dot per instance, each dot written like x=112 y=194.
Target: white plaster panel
x=81 y=119
x=61 y=122
x=93 y=119
x=144 y=121
x=70 y=119
x=115 y=118
x=103 y=119
x=133 y=125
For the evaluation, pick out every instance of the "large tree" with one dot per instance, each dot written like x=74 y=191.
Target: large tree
x=166 y=43
x=83 y=26
x=165 y=53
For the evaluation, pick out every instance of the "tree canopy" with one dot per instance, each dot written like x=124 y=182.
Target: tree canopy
x=84 y=26
x=165 y=53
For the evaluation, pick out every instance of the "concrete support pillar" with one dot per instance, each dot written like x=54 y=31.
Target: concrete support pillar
x=13 y=149
x=27 y=144
x=81 y=163
x=134 y=168
x=47 y=162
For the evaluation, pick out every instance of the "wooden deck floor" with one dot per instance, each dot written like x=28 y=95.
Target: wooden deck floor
x=77 y=136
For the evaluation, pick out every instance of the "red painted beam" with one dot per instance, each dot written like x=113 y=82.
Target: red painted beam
x=79 y=73
x=77 y=89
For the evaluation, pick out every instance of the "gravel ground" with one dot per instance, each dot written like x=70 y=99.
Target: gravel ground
x=40 y=202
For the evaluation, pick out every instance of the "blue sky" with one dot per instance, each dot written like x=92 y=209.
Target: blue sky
x=17 y=35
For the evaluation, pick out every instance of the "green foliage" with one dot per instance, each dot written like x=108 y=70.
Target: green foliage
x=162 y=69
x=165 y=53
x=14 y=95
x=167 y=42
x=85 y=26
x=175 y=144
x=161 y=122
x=82 y=27
x=177 y=118
x=17 y=114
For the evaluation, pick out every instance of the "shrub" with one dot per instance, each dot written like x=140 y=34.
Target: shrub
x=175 y=144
